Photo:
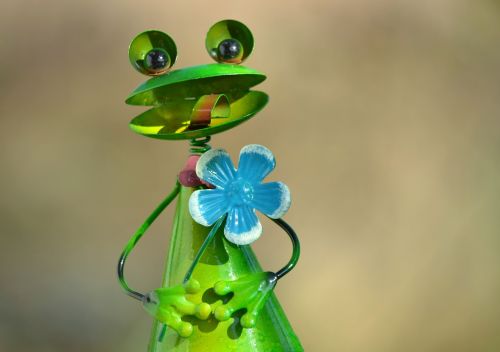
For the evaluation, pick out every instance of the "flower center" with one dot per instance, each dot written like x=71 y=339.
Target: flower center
x=239 y=192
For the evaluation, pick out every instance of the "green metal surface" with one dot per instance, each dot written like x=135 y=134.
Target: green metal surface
x=176 y=96
x=171 y=120
x=193 y=82
x=222 y=260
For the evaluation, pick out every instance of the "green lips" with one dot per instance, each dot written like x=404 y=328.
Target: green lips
x=174 y=96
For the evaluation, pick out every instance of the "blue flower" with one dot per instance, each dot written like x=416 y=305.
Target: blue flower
x=238 y=193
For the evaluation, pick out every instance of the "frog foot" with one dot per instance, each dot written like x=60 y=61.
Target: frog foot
x=250 y=292
x=169 y=304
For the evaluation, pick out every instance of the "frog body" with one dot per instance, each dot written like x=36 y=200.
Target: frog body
x=222 y=261
x=214 y=295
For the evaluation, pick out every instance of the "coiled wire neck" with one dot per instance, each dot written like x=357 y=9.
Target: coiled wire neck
x=199 y=145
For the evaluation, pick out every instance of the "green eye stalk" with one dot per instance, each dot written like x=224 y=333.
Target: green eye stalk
x=214 y=295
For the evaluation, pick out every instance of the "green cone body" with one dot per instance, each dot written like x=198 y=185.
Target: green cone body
x=221 y=261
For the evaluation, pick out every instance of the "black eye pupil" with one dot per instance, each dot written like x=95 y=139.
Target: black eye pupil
x=229 y=49
x=156 y=60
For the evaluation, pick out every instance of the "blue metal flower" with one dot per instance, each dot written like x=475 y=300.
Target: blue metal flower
x=238 y=193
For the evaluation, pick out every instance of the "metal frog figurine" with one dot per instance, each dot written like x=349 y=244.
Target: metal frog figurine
x=214 y=296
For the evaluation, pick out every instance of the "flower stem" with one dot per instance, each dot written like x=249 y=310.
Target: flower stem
x=204 y=246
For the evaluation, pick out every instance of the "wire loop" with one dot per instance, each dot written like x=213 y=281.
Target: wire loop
x=137 y=236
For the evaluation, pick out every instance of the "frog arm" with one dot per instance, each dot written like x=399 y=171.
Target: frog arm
x=252 y=291
x=137 y=236
x=295 y=249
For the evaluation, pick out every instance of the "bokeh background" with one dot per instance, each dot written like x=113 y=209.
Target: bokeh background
x=385 y=121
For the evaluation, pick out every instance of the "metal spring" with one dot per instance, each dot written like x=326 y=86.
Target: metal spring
x=200 y=145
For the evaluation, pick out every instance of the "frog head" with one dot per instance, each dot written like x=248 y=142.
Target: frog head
x=197 y=101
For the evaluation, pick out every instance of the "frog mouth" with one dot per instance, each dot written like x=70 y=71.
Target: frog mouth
x=197 y=101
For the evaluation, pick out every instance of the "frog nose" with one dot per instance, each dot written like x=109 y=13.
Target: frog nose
x=208 y=107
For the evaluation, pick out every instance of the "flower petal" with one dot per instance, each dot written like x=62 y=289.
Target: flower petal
x=215 y=167
x=256 y=162
x=272 y=199
x=207 y=206
x=242 y=225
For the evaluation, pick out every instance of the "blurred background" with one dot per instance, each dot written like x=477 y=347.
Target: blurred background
x=385 y=121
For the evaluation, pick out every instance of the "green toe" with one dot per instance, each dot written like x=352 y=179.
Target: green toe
x=192 y=286
x=185 y=329
x=222 y=313
x=222 y=288
x=248 y=321
x=203 y=311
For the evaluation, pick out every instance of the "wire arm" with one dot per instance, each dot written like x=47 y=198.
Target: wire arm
x=137 y=236
x=295 y=250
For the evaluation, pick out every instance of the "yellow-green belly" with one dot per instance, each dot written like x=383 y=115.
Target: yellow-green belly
x=221 y=261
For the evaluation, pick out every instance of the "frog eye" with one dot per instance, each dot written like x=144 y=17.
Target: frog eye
x=229 y=41
x=152 y=53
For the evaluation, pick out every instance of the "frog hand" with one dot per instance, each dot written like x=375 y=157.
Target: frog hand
x=250 y=292
x=170 y=304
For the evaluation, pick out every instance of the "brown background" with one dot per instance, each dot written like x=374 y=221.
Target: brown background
x=385 y=121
